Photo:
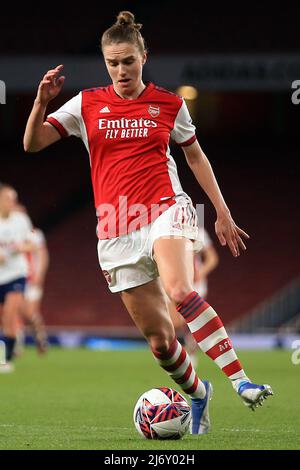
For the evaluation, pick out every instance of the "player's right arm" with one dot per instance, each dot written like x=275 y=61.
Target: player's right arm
x=42 y=265
x=40 y=134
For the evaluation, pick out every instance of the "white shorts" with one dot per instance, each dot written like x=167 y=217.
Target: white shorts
x=127 y=261
x=33 y=293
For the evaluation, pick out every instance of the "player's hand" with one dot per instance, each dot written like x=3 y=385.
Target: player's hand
x=230 y=234
x=50 y=86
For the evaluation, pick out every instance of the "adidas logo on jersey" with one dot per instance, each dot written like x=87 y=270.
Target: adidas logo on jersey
x=104 y=110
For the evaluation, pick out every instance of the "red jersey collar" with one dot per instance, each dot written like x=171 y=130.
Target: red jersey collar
x=115 y=97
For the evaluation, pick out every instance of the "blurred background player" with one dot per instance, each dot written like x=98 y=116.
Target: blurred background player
x=15 y=243
x=204 y=263
x=38 y=262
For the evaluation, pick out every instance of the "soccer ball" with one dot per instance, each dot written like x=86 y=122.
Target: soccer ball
x=162 y=413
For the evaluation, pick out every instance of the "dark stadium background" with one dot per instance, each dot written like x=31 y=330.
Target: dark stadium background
x=251 y=138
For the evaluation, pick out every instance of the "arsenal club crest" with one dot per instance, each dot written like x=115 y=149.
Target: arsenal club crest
x=154 y=110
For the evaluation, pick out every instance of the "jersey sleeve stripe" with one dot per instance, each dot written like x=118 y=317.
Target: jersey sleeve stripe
x=57 y=126
x=187 y=142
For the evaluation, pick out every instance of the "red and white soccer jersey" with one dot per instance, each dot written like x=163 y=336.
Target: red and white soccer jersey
x=133 y=173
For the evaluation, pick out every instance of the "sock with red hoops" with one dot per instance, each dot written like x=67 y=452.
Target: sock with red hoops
x=177 y=364
x=210 y=334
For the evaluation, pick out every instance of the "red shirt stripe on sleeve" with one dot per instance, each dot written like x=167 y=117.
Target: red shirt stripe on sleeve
x=57 y=126
x=187 y=142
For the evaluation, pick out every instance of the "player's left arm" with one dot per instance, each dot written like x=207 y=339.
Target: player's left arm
x=226 y=229
x=43 y=265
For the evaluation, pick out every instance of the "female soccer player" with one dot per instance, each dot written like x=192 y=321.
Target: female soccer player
x=38 y=263
x=15 y=233
x=38 y=266
x=146 y=223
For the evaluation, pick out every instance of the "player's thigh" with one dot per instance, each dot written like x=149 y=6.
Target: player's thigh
x=11 y=310
x=174 y=258
x=147 y=306
x=13 y=303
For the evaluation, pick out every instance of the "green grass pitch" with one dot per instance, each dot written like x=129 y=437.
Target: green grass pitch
x=83 y=399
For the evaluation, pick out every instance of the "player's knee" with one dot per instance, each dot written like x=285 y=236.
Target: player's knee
x=178 y=293
x=160 y=344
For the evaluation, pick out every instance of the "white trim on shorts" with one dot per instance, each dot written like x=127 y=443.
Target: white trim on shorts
x=127 y=261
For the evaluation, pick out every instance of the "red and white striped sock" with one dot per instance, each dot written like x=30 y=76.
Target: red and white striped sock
x=210 y=334
x=177 y=364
